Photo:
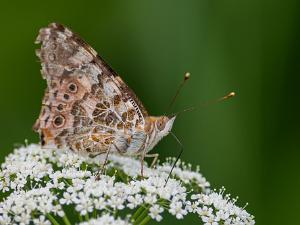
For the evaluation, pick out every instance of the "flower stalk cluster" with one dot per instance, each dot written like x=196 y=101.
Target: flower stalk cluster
x=42 y=186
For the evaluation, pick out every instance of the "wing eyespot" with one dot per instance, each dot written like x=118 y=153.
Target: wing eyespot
x=72 y=87
x=51 y=57
x=53 y=46
x=60 y=107
x=66 y=96
x=59 y=121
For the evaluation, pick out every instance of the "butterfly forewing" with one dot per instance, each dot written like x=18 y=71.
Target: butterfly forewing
x=87 y=106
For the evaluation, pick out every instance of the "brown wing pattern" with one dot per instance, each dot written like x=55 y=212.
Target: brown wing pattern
x=86 y=105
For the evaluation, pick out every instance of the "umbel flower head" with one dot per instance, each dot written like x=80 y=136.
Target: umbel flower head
x=42 y=186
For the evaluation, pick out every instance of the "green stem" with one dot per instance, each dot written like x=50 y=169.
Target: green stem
x=141 y=217
x=145 y=220
x=80 y=218
x=52 y=219
x=138 y=212
x=66 y=220
x=95 y=213
x=86 y=216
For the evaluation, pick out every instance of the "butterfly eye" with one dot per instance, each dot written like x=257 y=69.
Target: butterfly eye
x=160 y=125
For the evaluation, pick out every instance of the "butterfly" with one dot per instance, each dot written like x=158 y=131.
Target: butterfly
x=87 y=107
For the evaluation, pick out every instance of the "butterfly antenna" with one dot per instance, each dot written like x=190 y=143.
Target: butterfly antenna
x=226 y=97
x=191 y=108
x=177 y=158
x=230 y=95
x=186 y=77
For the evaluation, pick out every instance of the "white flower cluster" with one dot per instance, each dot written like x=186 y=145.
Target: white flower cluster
x=105 y=219
x=54 y=186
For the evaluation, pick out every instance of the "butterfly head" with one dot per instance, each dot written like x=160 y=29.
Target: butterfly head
x=163 y=125
x=156 y=128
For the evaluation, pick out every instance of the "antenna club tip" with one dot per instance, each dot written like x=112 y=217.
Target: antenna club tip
x=231 y=94
x=187 y=76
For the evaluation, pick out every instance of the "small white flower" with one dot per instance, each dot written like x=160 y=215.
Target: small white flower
x=205 y=211
x=41 y=221
x=106 y=220
x=134 y=201
x=176 y=208
x=150 y=198
x=84 y=204
x=100 y=203
x=192 y=206
x=210 y=220
x=222 y=215
x=67 y=199
x=155 y=212
x=116 y=202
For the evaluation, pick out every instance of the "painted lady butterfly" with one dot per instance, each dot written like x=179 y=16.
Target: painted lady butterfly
x=87 y=107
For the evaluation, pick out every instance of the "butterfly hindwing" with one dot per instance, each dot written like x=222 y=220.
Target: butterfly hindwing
x=86 y=106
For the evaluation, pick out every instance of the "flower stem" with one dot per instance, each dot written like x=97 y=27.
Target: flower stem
x=95 y=213
x=66 y=220
x=52 y=219
x=138 y=212
x=86 y=216
x=141 y=217
x=145 y=220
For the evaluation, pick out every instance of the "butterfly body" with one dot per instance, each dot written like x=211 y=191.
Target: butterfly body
x=87 y=107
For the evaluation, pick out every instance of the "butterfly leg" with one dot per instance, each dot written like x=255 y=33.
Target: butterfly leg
x=94 y=155
x=105 y=161
x=177 y=158
x=155 y=158
x=142 y=164
x=102 y=170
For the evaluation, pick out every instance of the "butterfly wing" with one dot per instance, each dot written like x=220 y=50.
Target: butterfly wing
x=86 y=104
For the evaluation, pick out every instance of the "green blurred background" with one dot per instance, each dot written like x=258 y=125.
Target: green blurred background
x=249 y=144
